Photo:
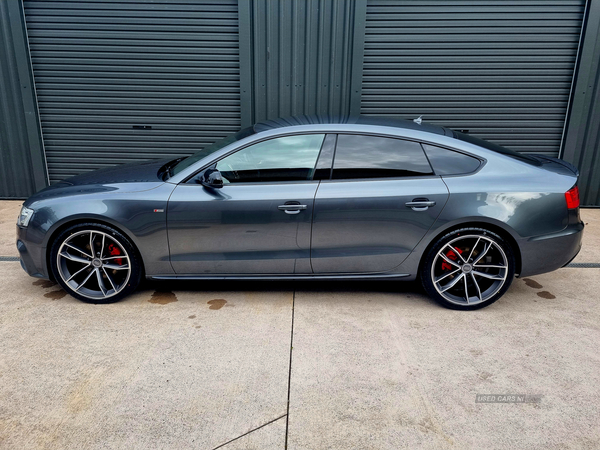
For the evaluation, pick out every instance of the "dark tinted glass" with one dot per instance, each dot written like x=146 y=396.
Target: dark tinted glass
x=377 y=157
x=447 y=162
x=496 y=148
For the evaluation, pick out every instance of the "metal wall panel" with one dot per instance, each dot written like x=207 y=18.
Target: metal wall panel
x=301 y=57
x=22 y=166
x=582 y=137
x=130 y=80
x=500 y=68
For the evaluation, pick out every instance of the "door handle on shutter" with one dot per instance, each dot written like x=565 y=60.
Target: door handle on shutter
x=420 y=204
x=292 y=208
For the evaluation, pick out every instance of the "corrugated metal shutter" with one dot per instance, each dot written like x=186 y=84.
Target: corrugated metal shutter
x=106 y=71
x=501 y=69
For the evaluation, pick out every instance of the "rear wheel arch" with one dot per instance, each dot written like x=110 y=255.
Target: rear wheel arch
x=467 y=282
x=500 y=231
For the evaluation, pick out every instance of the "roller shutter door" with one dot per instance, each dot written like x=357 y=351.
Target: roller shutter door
x=130 y=80
x=501 y=69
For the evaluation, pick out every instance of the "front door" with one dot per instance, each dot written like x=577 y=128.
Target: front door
x=380 y=201
x=259 y=222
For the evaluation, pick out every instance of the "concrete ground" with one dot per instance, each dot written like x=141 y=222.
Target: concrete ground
x=309 y=365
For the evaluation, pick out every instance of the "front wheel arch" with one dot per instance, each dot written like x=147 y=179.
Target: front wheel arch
x=110 y=257
x=58 y=231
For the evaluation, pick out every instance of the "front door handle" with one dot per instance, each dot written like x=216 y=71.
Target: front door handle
x=420 y=204
x=292 y=208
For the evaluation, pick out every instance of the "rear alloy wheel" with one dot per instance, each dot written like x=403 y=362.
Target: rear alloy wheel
x=95 y=263
x=468 y=269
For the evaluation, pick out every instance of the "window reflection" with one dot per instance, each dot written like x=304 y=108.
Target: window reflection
x=289 y=158
x=447 y=162
x=378 y=157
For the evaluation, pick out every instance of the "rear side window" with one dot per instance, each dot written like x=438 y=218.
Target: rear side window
x=448 y=162
x=359 y=156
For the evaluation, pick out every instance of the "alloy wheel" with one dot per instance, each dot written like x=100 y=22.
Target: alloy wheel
x=93 y=264
x=469 y=270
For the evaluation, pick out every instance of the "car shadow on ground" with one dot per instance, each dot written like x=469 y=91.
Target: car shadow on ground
x=335 y=290
x=330 y=286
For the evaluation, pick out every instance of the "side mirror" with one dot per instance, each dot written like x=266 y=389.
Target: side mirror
x=211 y=178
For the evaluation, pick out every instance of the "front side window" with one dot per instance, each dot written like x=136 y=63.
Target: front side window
x=289 y=158
x=187 y=162
x=359 y=156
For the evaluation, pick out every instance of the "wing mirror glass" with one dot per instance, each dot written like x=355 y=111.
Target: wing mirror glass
x=212 y=178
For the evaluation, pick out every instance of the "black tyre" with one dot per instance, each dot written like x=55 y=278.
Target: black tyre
x=468 y=269
x=95 y=263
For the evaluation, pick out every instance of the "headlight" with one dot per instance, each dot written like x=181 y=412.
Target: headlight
x=24 y=217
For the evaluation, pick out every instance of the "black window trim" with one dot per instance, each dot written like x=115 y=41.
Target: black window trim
x=328 y=136
x=337 y=133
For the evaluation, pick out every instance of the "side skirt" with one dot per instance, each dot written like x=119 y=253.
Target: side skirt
x=280 y=277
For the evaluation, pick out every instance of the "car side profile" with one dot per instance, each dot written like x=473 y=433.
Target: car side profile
x=312 y=197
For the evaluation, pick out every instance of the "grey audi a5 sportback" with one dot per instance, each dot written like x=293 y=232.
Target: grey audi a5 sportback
x=311 y=197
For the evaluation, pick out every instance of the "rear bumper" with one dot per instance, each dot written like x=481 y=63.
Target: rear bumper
x=32 y=256
x=546 y=253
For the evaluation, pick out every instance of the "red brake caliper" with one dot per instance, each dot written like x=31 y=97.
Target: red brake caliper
x=453 y=256
x=114 y=251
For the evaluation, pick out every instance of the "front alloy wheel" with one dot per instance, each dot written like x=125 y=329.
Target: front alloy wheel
x=468 y=269
x=95 y=263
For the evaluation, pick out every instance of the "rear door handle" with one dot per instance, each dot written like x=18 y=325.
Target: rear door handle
x=292 y=208
x=420 y=204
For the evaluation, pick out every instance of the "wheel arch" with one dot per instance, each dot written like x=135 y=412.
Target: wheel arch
x=88 y=219
x=492 y=227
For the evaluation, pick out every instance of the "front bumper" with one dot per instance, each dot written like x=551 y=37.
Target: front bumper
x=32 y=256
x=547 y=253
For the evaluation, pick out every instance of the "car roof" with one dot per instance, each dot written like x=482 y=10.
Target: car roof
x=349 y=120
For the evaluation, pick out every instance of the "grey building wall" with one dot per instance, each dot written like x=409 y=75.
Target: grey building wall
x=582 y=137
x=22 y=165
x=161 y=77
x=300 y=57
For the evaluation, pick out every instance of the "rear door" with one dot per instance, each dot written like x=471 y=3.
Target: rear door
x=381 y=199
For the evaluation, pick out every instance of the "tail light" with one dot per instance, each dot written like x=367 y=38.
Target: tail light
x=572 y=197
